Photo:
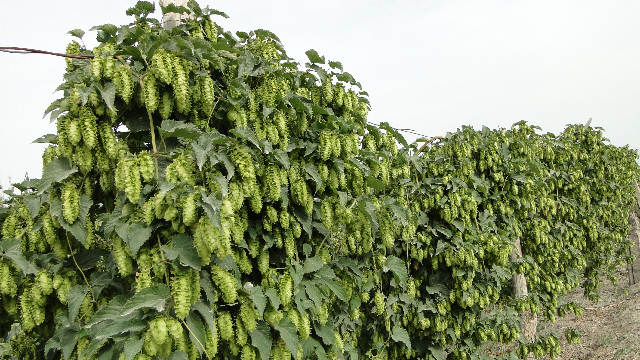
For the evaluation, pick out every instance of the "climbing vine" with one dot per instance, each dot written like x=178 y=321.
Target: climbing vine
x=206 y=197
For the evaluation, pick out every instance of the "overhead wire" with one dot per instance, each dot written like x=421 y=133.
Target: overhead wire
x=20 y=50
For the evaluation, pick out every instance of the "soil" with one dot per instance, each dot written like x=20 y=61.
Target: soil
x=610 y=328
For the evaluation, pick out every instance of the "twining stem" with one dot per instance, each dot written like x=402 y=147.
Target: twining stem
x=153 y=143
x=166 y=275
x=153 y=136
x=198 y=340
x=78 y=266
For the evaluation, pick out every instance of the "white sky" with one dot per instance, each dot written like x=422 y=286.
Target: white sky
x=431 y=66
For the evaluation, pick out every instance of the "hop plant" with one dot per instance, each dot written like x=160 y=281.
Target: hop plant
x=150 y=92
x=109 y=142
x=8 y=285
x=146 y=165
x=180 y=83
x=161 y=66
x=190 y=209
x=70 y=203
x=181 y=292
x=285 y=289
x=207 y=95
x=226 y=283
x=124 y=83
x=225 y=325
x=73 y=48
x=248 y=316
x=97 y=65
x=380 y=302
x=210 y=29
x=74 y=131
x=89 y=127
x=327 y=91
x=122 y=257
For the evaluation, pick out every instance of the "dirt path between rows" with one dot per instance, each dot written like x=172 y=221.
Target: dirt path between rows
x=610 y=328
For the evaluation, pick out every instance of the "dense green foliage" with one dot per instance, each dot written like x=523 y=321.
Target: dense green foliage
x=264 y=217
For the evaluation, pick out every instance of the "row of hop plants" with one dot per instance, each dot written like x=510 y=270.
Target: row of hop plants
x=206 y=197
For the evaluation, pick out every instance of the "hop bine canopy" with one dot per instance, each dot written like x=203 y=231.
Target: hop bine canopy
x=205 y=197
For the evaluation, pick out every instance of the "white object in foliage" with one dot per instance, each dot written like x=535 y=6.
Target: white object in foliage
x=171 y=20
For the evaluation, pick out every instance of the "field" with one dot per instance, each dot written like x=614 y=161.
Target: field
x=610 y=328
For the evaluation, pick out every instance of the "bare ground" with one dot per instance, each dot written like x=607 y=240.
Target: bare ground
x=610 y=328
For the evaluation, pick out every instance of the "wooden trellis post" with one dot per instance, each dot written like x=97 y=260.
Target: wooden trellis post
x=171 y=20
x=634 y=236
x=529 y=322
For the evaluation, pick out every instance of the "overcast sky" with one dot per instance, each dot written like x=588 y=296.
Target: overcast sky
x=430 y=66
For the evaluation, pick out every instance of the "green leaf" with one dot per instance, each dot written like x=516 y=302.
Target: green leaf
x=312 y=264
x=132 y=347
x=173 y=128
x=399 y=138
x=109 y=312
x=120 y=326
x=108 y=93
x=313 y=293
x=46 y=139
x=12 y=248
x=216 y=12
x=87 y=259
x=326 y=333
x=77 y=33
x=375 y=183
x=33 y=203
x=436 y=289
x=64 y=339
x=240 y=86
x=187 y=253
x=197 y=332
x=273 y=296
x=282 y=157
x=172 y=8
x=337 y=289
x=55 y=171
x=202 y=153
x=304 y=219
x=151 y=297
x=317 y=59
x=75 y=297
x=398 y=268
x=248 y=135
x=77 y=228
x=211 y=205
x=397 y=209
x=299 y=105
x=336 y=65
x=459 y=225
x=206 y=313
x=289 y=334
x=137 y=235
x=401 y=335
x=261 y=340
x=178 y=355
x=317 y=110
x=312 y=170
x=437 y=352
x=257 y=296
x=348 y=262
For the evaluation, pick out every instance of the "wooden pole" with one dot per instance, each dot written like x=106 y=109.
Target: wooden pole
x=634 y=236
x=171 y=20
x=529 y=322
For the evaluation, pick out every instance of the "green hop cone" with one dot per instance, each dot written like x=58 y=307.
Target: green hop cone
x=70 y=203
